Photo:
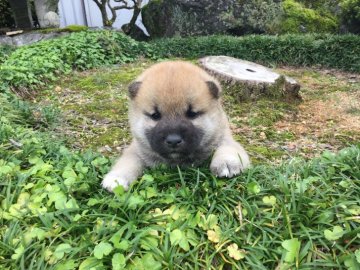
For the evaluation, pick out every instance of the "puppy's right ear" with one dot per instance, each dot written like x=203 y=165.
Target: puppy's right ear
x=214 y=89
x=134 y=89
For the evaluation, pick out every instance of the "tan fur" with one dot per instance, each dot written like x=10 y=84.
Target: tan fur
x=172 y=86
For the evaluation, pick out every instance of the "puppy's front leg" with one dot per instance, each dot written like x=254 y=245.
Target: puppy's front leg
x=229 y=159
x=125 y=171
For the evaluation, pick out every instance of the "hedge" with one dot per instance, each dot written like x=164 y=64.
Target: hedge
x=332 y=51
x=38 y=63
x=34 y=65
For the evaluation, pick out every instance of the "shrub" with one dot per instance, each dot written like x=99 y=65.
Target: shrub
x=5 y=51
x=257 y=16
x=300 y=19
x=36 y=64
x=332 y=51
x=351 y=15
x=6 y=15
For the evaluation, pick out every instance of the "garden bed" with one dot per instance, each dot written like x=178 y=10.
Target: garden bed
x=297 y=207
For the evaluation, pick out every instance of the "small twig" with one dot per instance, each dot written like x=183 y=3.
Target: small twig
x=240 y=214
x=15 y=143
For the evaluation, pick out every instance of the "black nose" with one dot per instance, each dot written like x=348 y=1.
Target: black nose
x=173 y=140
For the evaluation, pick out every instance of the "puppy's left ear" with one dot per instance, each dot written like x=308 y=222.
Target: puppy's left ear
x=214 y=88
x=134 y=89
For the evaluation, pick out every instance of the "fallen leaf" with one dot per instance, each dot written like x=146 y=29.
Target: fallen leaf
x=269 y=200
x=235 y=252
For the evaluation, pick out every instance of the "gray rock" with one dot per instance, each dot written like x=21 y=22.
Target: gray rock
x=28 y=38
x=51 y=19
x=5 y=40
x=136 y=32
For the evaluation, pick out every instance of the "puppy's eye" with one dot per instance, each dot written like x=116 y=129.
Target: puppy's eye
x=191 y=114
x=155 y=116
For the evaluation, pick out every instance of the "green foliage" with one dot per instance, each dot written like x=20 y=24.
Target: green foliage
x=292 y=248
x=335 y=234
x=54 y=215
x=5 y=51
x=300 y=19
x=37 y=64
x=44 y=117
x=334 y=51
x=259 y=16
x=351 y=15
x=34 y=65
x=6 y=16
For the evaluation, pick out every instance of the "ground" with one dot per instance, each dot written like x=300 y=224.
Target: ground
x=293 y=215
x=94 y=111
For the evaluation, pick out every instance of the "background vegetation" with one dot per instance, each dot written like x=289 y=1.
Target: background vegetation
x=278 y=16
x=300 y=214
x=39 y=63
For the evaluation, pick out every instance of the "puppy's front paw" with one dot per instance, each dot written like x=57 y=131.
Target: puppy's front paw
x=228 y=165
x=112 y=180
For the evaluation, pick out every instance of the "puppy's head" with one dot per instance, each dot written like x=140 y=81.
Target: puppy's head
x=175 y=111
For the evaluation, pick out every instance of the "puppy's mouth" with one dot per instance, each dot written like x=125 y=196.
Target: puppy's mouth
x=174 y=155
x=175 y=140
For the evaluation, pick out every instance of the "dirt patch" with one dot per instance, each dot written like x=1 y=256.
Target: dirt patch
x=326 y=120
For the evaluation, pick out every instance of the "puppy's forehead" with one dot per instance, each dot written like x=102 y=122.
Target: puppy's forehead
x=174 y=86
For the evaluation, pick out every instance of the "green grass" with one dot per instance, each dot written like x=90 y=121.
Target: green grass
x=54 y=215
x=299 y=214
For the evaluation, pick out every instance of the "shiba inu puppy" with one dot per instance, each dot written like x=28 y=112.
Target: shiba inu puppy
x=176 y=118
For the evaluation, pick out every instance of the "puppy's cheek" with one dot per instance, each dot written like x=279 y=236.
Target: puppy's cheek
x=139 y=127
x=209 y=127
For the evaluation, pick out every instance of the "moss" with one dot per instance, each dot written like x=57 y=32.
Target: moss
x=113 y=137
x=316 y=84
x=95 y=105
x=262 y=154
x=75 y=28
x=281 y=89
x=262 y=112
x=105 y=79
x=353 y=110
x=70 y=28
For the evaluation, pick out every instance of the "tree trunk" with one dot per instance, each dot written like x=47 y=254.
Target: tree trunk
x=105 y=19
x=137 y=10
x=249 y=81
x=104 y=15
x=22 y=14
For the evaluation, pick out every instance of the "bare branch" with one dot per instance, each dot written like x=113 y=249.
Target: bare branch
x=122 y=7
x=121 y=1
x=113 y=12
x=97 y=3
